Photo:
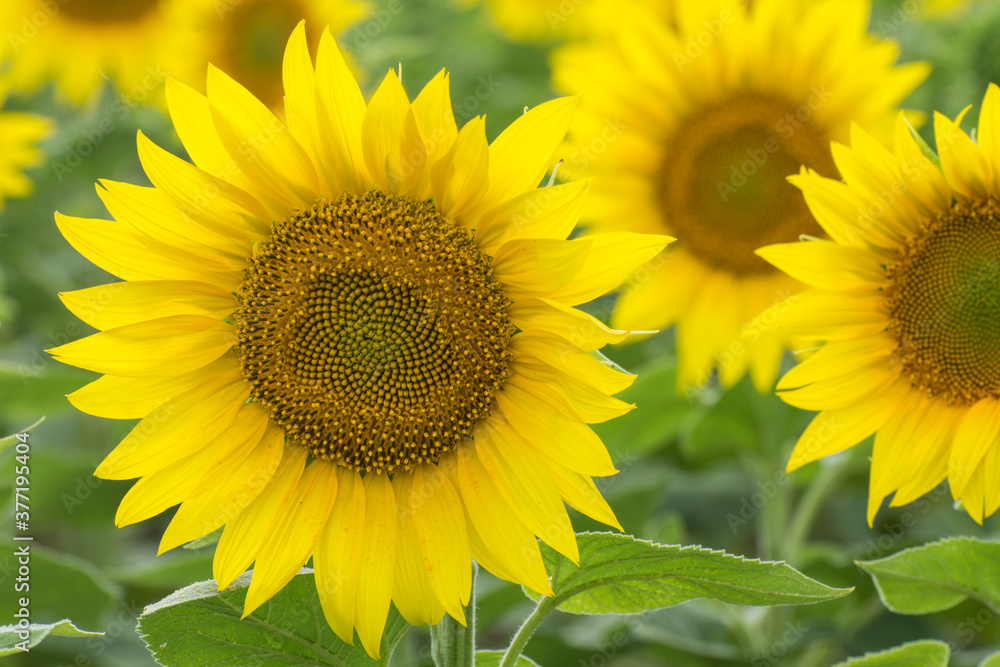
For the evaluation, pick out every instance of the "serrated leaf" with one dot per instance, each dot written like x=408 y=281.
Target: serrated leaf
x=916 y=654
x=938 y=576
x=9 y=639
x=623 y=575
x=289 y=629
x=493 y=658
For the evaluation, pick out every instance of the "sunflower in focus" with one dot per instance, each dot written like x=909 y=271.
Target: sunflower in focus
x=19 y=132
x=692 y=130
x=352 y=336
x=246 y=38
x=81 y=42
x=906 y=294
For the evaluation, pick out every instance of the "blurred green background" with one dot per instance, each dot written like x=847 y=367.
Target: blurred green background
x=707 y=469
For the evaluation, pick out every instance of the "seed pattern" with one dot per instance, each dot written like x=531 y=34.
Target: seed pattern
x=944 y=305
x=374 y=331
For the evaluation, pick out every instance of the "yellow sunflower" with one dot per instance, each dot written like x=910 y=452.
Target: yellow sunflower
x=693 y=129
x=18 y=134
x=905 y=293
x=353 y=336
x=81 y=42
x=550 y=19
x=246 y=38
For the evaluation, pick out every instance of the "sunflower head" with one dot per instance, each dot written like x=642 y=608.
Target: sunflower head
x=693 y=123
x=905 y=293
x=352 y=336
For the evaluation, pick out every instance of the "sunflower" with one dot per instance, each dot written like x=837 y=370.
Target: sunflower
x=246 y=38
x=693 y=129
x=353 y=336
x=79 y=43
x=549 y=19
x=18 y=134
x=905 y=294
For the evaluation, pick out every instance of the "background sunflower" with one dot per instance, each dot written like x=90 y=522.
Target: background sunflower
x=705 y=468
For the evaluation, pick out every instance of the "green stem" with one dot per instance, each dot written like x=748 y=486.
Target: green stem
x=454 y=644
x=523 y=634
x=815 y=496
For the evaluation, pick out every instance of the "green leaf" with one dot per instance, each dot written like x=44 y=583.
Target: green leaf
x=9 y=637
x=916 y=654
x=289 y=629
x=938 y=576
x=11 y=440
x=924 y=148
x=620 y=574
x=991 y=661
x=493 y=658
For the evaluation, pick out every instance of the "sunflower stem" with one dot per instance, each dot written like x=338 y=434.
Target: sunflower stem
x=454 y=644
x=523 y=634
x=816 y=494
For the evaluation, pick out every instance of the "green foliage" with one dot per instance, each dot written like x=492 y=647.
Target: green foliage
x=938 y=576
x=493 y=658
x=289 y=629
x=9 y=639
x=917 y=654
x=620 y=574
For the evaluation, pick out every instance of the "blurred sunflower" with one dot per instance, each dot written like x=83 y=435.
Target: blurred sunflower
x=692 y=130
x=352 y=336
x=550 y=19
x=246 y=38
x=19 y=132
x=80 y=43
x=907 y=294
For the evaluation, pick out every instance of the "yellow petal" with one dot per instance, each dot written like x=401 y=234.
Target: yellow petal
x=826 y=265
x=575 y=326
x=260 y=143
x=177 y=482
x=569 y=441
x=844 y=390
x=533 y=267
x=339 y=553
x=394 y=152
x=832 y=431
x=436 y=511
x=559 y=353
x=499 y=541
x=923 y=180
x=927 y=455
x=412 y=592
x=432 y=110
x=290 y=544
x=613 y=257
x=157 y=348
x=208 y=200
x=461 y=177
x=659 y=292
x=542 y=213
x=976 y=435
x=119 y=304
x=522 y=479
x=122 y=251
x=218 y=501
x=892 y=445
x=580 y=493
x=177 y=428
x=821 y=315
x=837 y=359
x=343 y=108
x=523 y=152
x=244 y=536
x=564 y=392
x=964 y=166
x=378 y=569
x=116 y=397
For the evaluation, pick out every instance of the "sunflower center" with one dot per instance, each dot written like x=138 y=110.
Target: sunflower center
x=108 y=11
x=944 y=305
x=374 y=331
x=725 y=192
